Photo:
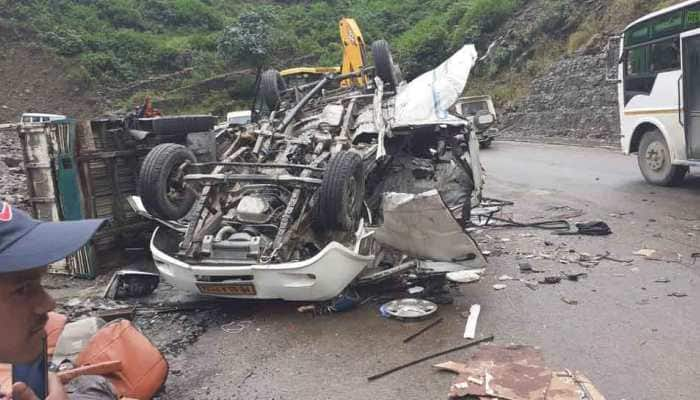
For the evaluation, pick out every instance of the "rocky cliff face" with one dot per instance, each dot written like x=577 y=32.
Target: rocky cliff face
x=571 y=101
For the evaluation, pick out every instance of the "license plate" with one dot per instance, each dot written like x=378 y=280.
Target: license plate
x=245 y=289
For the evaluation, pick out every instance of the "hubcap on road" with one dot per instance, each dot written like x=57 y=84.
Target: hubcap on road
x=656 y=156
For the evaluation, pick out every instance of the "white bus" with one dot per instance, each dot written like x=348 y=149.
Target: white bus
x=659 y=92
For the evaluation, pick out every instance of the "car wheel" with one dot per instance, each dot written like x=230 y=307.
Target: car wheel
x=655 y=161
x=486 y=143
x=271 y=87
x=341 y=194
x=384 y=63
x=159 y=185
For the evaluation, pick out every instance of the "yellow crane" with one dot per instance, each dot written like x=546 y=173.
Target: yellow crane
x=354 y=56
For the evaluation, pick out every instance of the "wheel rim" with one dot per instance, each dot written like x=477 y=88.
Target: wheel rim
x=175 y=190
x=655 y=156
x=351 y=199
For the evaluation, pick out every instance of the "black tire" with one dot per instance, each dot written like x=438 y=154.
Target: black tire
x=271 y=87
x=654 y=161
x=486 y=143
x=162 y=197
x=384 y=63
x=341 y=195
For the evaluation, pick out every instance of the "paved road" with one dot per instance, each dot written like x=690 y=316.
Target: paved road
x=632 y=339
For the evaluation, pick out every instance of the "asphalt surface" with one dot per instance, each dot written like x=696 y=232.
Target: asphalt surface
x=626 y=333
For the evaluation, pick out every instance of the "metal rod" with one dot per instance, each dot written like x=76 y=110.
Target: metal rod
x=294 y=111
x=224 y=178
x=252 y=164
x=400 y=367
x=415 y=335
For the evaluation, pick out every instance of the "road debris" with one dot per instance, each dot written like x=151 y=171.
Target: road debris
x=129 y=283
x=465 y=276
x=470 y=328
x=503 y=278
x=431 y=356
x=569 y=301
x=526 y=267
x=236 y=326
x=574 y=276
x=678 y=294
x=550 y=280
x=423 y=330
x=591 y=228
x=515 y=373
x=662 y=280
x=408 y=309
x=499 y=286
x=645 y=252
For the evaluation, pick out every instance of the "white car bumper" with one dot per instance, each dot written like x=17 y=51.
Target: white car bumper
x=319 y=278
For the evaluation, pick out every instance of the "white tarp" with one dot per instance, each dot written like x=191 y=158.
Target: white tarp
x=426 y=99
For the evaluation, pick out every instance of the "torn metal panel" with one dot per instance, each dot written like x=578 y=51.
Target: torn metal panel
x=426 y=99
x=422 y=226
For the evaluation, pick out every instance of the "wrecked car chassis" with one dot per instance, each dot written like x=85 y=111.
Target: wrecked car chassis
x=290 y=210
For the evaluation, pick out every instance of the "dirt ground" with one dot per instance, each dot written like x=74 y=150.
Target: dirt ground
x=33 y=80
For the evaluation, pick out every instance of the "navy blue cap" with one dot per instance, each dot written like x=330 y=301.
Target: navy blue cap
x=26 y=243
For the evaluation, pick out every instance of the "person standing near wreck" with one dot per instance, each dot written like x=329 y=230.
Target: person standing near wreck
x=27 y=246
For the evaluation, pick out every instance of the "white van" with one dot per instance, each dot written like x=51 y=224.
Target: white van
x=38 y=118
x=238 y=117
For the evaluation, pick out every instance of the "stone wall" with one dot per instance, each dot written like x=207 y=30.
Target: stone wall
x=572 y=101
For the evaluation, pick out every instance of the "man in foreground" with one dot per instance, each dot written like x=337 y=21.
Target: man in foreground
x=27 y=246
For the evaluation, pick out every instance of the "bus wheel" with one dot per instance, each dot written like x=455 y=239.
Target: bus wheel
x=655 y=161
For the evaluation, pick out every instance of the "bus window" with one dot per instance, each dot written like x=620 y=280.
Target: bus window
x=665 y=56
x=637 y=61
x=668 y=24
x=36 y=119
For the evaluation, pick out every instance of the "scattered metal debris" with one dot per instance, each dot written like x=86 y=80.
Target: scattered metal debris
x=499 y=286
x=678 y=294
x=662 y=280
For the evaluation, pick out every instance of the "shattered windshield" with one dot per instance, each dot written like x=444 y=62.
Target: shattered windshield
x=470 y=109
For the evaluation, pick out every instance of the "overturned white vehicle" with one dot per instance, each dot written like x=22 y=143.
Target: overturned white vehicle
x=290 y=207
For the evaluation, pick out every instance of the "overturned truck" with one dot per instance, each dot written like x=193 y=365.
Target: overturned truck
x=286 y=207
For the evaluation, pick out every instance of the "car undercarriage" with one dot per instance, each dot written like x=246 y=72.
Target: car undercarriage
x=286 y=206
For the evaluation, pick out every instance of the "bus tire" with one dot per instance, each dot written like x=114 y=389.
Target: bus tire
x=654 y=160
x=271 y=87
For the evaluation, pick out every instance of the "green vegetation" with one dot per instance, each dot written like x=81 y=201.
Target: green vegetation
x=114 y=43
x=124 y=40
